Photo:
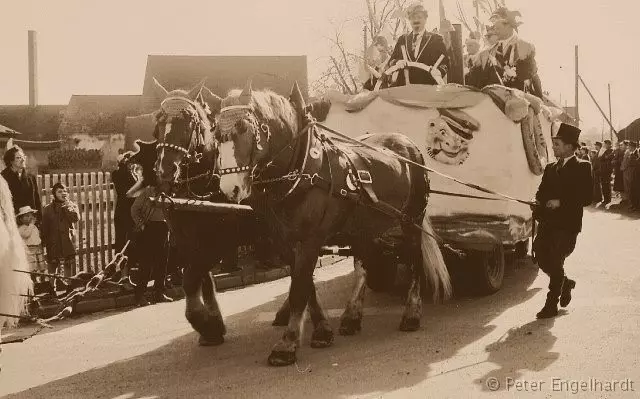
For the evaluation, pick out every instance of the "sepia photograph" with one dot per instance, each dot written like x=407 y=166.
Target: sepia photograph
x=334 y=199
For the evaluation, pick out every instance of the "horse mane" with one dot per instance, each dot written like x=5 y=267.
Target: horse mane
x=269 y=106
x=12 y=256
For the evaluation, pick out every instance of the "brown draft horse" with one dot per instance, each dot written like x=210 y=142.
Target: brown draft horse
x=272 y=153
x=185 y=152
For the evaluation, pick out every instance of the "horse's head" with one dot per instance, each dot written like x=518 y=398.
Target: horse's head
x=253 y=129
x=184 y=130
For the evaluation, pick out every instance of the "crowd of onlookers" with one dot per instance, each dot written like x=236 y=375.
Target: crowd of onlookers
x=49 y=232
x=620 y=166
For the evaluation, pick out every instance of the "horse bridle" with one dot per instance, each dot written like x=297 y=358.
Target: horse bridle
x=259 y=128
x=195 y=122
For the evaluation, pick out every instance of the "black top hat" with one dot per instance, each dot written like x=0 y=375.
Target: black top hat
x=569 y=134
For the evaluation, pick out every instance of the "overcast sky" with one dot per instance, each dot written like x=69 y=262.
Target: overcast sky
x=100 y=47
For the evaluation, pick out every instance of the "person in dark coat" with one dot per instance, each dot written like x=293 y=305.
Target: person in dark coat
x=152 y=246
x=566 y=188
x=123 y=179
x=634 y=170
x=421 y=46
x=605 y=158
x=58 y=231
x=511 y=61
x=595 y=172
x=618 y=180
x=23 y=186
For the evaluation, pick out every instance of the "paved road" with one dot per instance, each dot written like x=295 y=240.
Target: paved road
x=463 y=346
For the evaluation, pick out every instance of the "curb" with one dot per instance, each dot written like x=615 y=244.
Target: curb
x=224 y=281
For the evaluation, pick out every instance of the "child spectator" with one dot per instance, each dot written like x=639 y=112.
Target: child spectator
x=30 y=234
x=58 y=231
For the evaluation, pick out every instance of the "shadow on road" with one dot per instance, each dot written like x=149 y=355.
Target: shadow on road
x=378 y=360
x=527 y=347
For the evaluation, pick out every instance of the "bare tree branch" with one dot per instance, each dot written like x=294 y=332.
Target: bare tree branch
x=343 y=81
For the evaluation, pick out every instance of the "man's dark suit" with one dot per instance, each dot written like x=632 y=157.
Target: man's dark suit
x=431 y=48
x=606 y=170
x=571 y=184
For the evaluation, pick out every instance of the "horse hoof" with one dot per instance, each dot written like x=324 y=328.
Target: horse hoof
x=211 y=341
x=410 y=324
x=280 y=321
x=321 y=338
x=282 y=358
x=350 y=326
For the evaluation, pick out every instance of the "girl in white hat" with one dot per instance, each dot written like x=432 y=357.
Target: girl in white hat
x=30 y=234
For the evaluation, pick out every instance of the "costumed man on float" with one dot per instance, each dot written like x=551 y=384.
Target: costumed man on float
x=419 y=46
x=511 y=61
x=566 y=188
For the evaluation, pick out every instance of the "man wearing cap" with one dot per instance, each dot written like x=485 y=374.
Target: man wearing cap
x=515 y=57
x=605 y=157
x=565 y=189
x=419 y=46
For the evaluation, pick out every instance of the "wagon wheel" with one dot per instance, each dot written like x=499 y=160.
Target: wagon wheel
x=391 y=70
x=488 y=270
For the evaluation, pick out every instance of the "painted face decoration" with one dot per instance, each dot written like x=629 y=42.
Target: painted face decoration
x=444 y=145
x=449 y=135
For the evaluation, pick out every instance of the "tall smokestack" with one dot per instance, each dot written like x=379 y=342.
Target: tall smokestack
x=33 y=69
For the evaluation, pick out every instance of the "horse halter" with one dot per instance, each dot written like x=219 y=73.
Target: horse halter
x=226 y=123
x=195 y=126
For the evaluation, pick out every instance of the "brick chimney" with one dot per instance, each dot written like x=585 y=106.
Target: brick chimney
x=33 y=69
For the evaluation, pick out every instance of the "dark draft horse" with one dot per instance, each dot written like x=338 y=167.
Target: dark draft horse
x=183 y=157
x=263 y=140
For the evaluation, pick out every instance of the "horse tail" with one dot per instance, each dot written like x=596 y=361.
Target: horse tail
x=435 y=269
x=12 y=256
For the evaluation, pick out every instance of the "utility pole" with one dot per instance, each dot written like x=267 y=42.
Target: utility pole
x=610 y=117
x=576 y=89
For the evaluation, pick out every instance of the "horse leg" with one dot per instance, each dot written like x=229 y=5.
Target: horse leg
x=210 y=328
x=322 y=336
x=413 y=307
x=306 y=256
x=282 y=316
x=211 y=305
x=351 y=320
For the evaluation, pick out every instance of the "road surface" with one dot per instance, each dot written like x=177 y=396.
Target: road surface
x=470 y=347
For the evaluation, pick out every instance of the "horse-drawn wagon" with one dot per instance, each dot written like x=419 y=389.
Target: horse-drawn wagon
x=497 y=139
x=358 y=171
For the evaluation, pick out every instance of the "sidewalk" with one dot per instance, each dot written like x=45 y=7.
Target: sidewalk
x=119 y=299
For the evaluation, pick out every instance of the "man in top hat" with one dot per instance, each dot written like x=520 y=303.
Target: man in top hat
x=565 y=189
x=419 y=46
x=511 y=61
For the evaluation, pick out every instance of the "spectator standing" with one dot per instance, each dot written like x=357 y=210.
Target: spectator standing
x=30 y=234
x=152 y=246
x=605 y=158
x=627 y=173
x=58 y=231
x=123 y=179
x=618 y=180
x=634 y=165
x=23 y=186
x=595 y=173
